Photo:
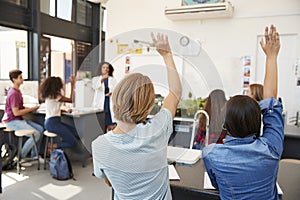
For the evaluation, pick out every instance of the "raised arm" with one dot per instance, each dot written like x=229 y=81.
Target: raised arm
x=70 y=99
x=273 y=129
x=163 y=48
x=271 y=47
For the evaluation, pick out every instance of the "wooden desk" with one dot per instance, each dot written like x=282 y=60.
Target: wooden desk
x=190 y=185
x=291 y=142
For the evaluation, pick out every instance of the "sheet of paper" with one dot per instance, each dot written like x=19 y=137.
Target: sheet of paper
x=173 y=175
x=207 y=183
x=279 y=189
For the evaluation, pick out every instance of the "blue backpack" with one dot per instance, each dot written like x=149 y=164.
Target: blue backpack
x=60 y=166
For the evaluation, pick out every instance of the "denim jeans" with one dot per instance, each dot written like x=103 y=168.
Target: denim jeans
x=27 y=125
x=65 y=131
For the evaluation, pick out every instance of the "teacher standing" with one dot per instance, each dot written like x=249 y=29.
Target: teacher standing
x=104 y=86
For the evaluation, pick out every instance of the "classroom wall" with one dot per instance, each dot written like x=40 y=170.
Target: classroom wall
x=224 y=40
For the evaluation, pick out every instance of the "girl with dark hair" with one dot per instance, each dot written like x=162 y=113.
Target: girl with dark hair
x=246 y=165
x=52 y=91
x=214 y=107
x=104 y=86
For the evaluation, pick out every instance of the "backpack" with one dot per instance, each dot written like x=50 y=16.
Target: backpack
x=60 y=166
x=8 y=153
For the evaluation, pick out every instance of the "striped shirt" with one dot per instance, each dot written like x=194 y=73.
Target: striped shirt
x=136 y=162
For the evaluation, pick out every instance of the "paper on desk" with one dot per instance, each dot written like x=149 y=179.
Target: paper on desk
x=279 y=189
x=173 y=175
x=208 y=185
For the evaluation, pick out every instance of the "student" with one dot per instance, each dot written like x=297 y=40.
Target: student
x=104 y=86
x=133 y=157
x=214 y=107
x=14 y=110
x=255 y=91
x=246 y=165
x=52 y=91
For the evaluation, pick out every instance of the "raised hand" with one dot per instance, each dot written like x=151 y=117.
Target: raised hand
x=72 y=80
x=161 y=43
x=271 y=45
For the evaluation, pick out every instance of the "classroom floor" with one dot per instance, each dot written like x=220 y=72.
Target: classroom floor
x=32 y=184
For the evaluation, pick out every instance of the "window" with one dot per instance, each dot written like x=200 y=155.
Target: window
x=48 y=7
x=13 y=51
x=64 y=9
x=84 y=13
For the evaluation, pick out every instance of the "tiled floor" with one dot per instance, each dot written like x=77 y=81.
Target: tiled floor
x=32 y=184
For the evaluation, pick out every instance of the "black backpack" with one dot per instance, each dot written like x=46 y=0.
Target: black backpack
x=8 y=153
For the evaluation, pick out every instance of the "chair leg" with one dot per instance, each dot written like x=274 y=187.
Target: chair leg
x=45 y=153
x=36 y=151
x=19 y=155
x=51 y=139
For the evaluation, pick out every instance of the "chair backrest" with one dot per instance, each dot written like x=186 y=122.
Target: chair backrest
x=289 y=178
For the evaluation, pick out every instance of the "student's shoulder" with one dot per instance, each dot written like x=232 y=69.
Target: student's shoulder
x=212 y=150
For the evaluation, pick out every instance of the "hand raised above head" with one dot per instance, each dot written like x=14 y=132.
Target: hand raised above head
x=72 y=80
x=271 y=45
x=161 y=43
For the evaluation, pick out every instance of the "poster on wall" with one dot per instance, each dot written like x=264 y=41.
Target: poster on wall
x=297 y=73
x=196 y=2
x=246 y=65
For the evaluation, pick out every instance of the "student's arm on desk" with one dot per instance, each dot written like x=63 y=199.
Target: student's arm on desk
x=21 y=112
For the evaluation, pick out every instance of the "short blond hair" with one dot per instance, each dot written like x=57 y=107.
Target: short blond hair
x=133 y=98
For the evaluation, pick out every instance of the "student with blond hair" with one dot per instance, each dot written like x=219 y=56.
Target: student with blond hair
x=255 y=91
x=132 y=158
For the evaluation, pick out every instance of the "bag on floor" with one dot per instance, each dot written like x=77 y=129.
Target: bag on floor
x=60 y=166
x=8 y=153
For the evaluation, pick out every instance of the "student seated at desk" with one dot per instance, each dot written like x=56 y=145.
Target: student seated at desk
x=246 y=165
x=51 y=91
x=214 y=106
x=14 y=110
x=133 y=157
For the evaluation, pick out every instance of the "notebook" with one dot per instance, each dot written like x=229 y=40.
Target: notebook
x=183 y=155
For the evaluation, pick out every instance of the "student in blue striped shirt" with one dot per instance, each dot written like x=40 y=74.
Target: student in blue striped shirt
x=132 y=158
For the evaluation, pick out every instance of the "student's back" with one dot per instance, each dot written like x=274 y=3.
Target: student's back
x=246 y=165
x=139 y=168
x=132 y=158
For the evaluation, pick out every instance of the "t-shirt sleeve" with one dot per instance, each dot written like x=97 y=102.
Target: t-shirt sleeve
x=163 y=119
x=98 y=171
x=15 y=101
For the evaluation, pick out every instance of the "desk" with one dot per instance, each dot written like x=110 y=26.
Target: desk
x=291 y=142
x=89 y=123
x=190 y=185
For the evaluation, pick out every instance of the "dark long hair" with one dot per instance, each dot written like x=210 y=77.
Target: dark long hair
x=214 y=106
x=111 y=69
x=51 y=87
x=243 y=117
